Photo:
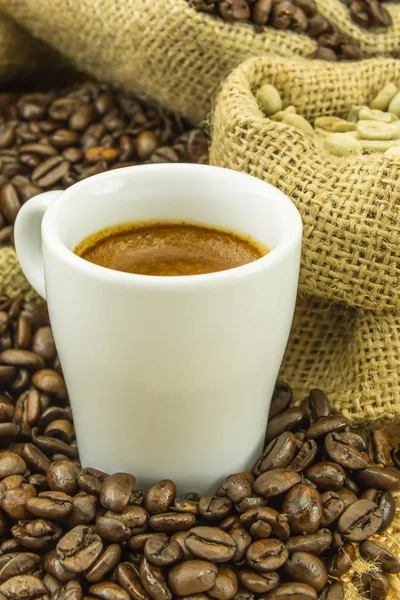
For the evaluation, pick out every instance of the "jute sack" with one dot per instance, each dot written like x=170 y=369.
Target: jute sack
x=168 y=52
x=20 y=54
x=319 y=336
x=350 y=206
x=352 y=354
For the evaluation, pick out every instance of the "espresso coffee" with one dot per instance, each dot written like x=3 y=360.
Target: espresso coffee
x=168 y=249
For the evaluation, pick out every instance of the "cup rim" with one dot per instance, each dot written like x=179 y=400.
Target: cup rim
x=275 y=256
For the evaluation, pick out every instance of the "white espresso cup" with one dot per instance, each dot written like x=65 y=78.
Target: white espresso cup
x=168 y=377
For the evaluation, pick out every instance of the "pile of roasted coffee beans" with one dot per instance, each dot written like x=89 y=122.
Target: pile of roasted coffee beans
x=50 y=140
x=287 y=530
x=301 y=16
x=369 y=13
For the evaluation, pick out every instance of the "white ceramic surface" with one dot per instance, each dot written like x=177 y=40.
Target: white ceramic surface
x=168 y=377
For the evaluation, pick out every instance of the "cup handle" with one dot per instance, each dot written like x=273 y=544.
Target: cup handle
x=28 y=238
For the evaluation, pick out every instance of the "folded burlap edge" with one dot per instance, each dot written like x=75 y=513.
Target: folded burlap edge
x=350 y=206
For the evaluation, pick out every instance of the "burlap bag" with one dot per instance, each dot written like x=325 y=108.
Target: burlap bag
x=320 y=345
x=20 y=54
x=166 y=51
x=350 y=206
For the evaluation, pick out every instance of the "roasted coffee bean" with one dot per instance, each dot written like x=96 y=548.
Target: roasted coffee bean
x=171 y=522
x=275 y=482
x=386 y=504
x=281 y=399
x=297 y=591
x=161 y=551
x=91 y=480
x=79 y=549
x=333 y=591
x=302 y=505
x=226 y=585
x=35 y=458
x=326 y=476
x=305 y=456
x=27 y=409
x=160 y=497
x=347 y=496
x=376 y=585
x=23 y=587
x=259 y=583
x=236 y=487
x=242 y=540
x=154 y=582
x=360 y=520
x=132 y=516
x=210 y=543
x=314 y=543
x=21 y=358
x=112 y=530
x=249 y=503
x=343 y=453
x=332 y=507
x=11 y=464
x=341 y=563
x=278 y=454
x=116 y=490
x=14 y=502
x=107 y=590
x=128 y=578
x=306 y=568
x=61 y=429
x=381 y=448
x=62 y=476
x=266 y=555
x=278 y=523
x=326 y=425
x=53 y=566
x=23 y=563
x=260 y=530
x=375 y=476
x=43 y=343
x=50 y=382
x=387 y=561
x=284 y=421
x=214 y=508
x=37 y=535
x=316 y=405
x=83 y=510
x=192 y=577
x=50 y=505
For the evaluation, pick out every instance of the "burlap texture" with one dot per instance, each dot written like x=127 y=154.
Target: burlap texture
x=12 y=280
x=350 y=206
x=20 y=54
x=161 y=49
x=352 y=354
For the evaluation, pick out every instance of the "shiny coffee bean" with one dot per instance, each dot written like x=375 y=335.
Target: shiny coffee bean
x=298 y=591
x=211 y=543
x=187 y=503
x=242 y=540
x=266 y=555
x=91 y=480
x=387 y=561
x=275 y=482
x=316 y=405
x=237 y=487
x=278 y=454
x=360 y=520
x=285 y=421
x=128 y=578
x=215 y=508
x=154 y=582
x=307 y=568
x=116 y=490
x=62 y=476
x=278 y=522
x=171 y=522
x=79 y=549
x=305 y=456
x=314 y=543
x=332 y=507
x=375 y=585
x=302 y=505
x=161 y=551
x=258 y=583
x=226 y=585
x=341 y=563
x=160 y=497
x=326 y=476
x=382 y=478
x=281 y=399
x=192 y=577
x=343 y=453
x=326 y=425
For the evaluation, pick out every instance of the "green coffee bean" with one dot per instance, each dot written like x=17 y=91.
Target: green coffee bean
x=327 y=122
x=343 y=144
x=378 y=145
x=393 y=152
x=375 y=130
x=352 y=115
x=366 y=114
x=394 y=106
x=269 y=99
x=280 y=114
x=299 y=122
x=384 y=97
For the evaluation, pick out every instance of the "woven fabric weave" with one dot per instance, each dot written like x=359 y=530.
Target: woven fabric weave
x=350 y=206
x=20 y=54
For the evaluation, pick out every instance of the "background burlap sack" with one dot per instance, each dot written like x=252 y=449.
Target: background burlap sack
x=20 y=54
x=322 y=339
x=350 y=206
x=165 y=50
